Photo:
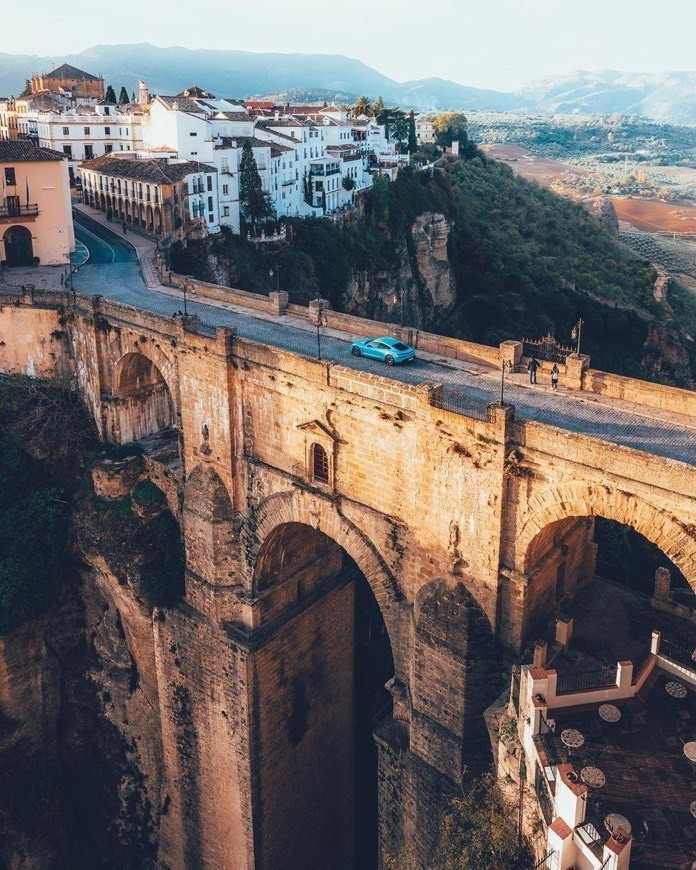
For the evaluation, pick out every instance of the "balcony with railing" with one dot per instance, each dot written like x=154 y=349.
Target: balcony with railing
x=13 y=211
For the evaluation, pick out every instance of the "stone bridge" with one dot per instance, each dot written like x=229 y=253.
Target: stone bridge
x=296 y=481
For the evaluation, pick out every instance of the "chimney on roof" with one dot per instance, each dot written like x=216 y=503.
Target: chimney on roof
x=143 y=94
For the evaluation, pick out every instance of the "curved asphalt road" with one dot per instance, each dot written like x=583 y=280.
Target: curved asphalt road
x=113 y=271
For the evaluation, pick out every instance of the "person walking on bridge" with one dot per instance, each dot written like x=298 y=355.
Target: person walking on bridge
x=532 y=367
x=554 y=378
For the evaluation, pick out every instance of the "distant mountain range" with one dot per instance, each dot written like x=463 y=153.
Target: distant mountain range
x=669 y=97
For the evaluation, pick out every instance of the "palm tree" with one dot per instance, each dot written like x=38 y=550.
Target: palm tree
x=399 y=128
x=362 y=106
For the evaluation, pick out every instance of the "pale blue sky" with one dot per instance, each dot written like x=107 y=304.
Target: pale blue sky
x=499 y=44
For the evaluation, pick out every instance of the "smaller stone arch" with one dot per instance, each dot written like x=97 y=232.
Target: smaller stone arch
x=142 y=215
x=209 y=528
x=158 y=220
x=144 y=403
x=149 y=219
x=128 y=211
x=676 y=539
x=102 y=202
x=120 y=207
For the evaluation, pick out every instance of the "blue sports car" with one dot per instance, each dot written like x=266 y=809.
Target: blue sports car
x=389 y=350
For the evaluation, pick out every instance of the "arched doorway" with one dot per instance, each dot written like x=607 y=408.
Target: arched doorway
x=128 y=213
x=321 y=691
x=19 y=250
x=145 y=405
x=149 y=220
x=158 y=220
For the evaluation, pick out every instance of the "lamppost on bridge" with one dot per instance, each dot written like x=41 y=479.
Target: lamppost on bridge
x=576 y=334
x=320 y=323
x=275 y=271
x=73 y=271
x=185 y=308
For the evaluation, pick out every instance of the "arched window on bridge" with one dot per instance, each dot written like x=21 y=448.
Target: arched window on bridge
x=320 y=464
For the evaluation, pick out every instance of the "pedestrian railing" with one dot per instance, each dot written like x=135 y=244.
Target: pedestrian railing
x=459 y=403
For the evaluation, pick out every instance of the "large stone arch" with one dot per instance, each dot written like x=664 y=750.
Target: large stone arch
x=306 y=508
x=675 y=538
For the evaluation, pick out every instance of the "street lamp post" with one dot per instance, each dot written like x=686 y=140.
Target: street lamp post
x=576 y=334
x=275 y=272
x=185 y=308
x=502 y=383
x=73 y=272
x=319 y=325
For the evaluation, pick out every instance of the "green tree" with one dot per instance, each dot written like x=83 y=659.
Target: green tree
x=254 y=204
x=27 y=88
x=363 y=106
x=378 y=107
x=480 y=832
x=123 y=97
x=399 y=127
x=450 y=127
x=133 y=96
x=110 y=95
x=412 y=140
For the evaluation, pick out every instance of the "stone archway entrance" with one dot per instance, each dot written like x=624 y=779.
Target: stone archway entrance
x=320 y=685
x=19 y=250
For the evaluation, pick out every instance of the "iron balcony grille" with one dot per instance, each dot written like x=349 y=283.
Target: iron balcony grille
x=16 y=210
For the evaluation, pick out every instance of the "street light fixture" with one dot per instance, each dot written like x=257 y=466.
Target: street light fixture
x=73 y=271
x=275 y=272
x=576 y=334
x=319 y=325
x=503 y=366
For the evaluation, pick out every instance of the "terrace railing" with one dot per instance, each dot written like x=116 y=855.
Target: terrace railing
x=580 y=681
x=679 y=651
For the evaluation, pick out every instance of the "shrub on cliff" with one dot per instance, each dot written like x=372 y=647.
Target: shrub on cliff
x=42 y=429
x=480 y=832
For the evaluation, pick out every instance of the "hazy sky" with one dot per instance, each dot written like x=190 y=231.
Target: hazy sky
x=487 y=43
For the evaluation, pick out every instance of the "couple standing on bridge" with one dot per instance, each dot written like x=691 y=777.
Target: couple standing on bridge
x=532 y=367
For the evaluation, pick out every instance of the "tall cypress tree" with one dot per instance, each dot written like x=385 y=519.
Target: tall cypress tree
x=254 y=204
x=110 y=95
x=123 y=96
x=412 y=140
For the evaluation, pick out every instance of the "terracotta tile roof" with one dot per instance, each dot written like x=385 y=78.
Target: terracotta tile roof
x=67 y=71
x=25 y=152
x=155 y=171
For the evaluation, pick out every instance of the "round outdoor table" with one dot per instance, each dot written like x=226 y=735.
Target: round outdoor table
x=593 y=777
x=572 y=738
x=609 y=713
x=616 y=820
x=693 y=808
x=676 y=690
x=690 y=750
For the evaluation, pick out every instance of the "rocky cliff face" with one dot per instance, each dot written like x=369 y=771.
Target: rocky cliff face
x=80 y=740
x=424 y=279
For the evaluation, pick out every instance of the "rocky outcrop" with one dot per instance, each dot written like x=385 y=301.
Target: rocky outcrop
x=664 y=355
x=423 y=282
x=430 y=233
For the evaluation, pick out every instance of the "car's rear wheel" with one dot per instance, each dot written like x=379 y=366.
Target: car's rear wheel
x=389 y=360
x=355 y=351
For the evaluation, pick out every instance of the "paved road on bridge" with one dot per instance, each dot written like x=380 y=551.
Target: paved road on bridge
x=113 y=271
